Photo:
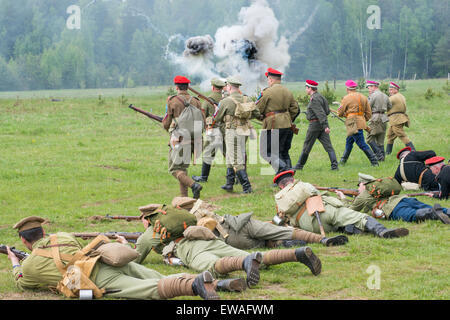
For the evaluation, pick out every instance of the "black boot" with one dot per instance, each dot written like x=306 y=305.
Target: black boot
x=376 y=150
x=306 y=256
x=382 y=152
x=389 y=148
x=376 y=228
x=345 y=156
x=334 y=241
x=243 y=179
x=411 y=146
x=206 y=168
x=202 y=286
x=196 y=188
x=231 y=285
x=425 y=214
x=301 y=162
x=231 y=175
x=333 y=160
x=251 y=265
x=372 y=157
x=350 y=229
x=439 y=211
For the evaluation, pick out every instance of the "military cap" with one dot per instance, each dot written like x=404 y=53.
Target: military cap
x=186 y=203
x=234 y=81
x=29 y=223
x=312 y=83
x=365 y=178
x=372 y=83
x=403 y=150
x=350 y=84
x=218 y=83
x=283 y=175
x=273 y=72
x=148 y=210
x=394 y=85
x=207 y=222
x=181 y=80
x=434 y=160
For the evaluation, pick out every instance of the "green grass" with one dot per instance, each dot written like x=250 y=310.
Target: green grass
x=71 y=159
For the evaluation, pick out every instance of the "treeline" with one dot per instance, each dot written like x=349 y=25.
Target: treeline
x=123 y=43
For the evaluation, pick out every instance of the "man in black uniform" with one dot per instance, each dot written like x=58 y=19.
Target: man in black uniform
x=413 y=168
x=443 y=178
x=316 y=113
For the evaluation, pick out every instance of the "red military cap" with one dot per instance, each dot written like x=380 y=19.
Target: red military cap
x=283 y=175
x=181 y=80
x=372 y=83
x=434 y=160
x=350 y=84
x=403 y=150
x=394 y=85
x=311 y=83
x=273 y=72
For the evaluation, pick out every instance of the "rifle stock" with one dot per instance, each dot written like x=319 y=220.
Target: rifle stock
x=423 y=194
x=130 y=236
x=347 y=192
x=19 y=254
x=127 y=218
x=204 y=97
x=148 y=114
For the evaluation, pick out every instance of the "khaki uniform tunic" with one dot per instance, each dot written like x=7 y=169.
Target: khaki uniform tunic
x=379 y=103
x=398 y=119
x=355 y=105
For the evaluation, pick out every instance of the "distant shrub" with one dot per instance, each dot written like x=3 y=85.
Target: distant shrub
x=361 y=83
x=429 y=94
x=384 y=87
x=171 y=91
x=329 y=94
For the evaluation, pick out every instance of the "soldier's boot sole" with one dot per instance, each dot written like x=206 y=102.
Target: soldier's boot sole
x=440 y=214
x=203 y=286
x=336 y=241
x=394 y=233
x=306 y=256
x=251 y=266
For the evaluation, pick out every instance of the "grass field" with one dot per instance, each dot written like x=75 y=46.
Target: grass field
x=79 y=156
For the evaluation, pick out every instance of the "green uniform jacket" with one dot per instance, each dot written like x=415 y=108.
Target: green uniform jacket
x=380 y=103
x=318 y=110
x=366 y=203
x=41 y=272
x=280 y=100
x=227 y=108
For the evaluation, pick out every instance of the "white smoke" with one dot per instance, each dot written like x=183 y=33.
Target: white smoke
x=244 y=50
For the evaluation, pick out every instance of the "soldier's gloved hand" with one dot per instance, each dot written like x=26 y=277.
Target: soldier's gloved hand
x=12 y=257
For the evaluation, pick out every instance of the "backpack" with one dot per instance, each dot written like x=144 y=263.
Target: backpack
x=190 y=122
x=383 y=188
x=291 y=198
x=244 y=109
x=170 y=223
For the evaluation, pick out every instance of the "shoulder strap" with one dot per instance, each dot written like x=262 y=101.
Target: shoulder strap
x=402 y=170
x=421 y=177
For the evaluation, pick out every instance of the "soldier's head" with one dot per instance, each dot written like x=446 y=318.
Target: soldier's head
x=233 y=84
x=284 y=178
x=403 y=153
x=311 y=87
x=351 y=86
x=217 y=85
x=393 y=88
x=273 y=76
x=181 y=83
x=372 y=86
x=146 y=212
x=30 y=230
x=435 y=164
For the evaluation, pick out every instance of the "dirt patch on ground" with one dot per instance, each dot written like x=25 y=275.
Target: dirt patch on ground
x=109 y=167
x=334 y=253
x=30 y=296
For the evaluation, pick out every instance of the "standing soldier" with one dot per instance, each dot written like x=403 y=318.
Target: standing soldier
x=214 y=134
x=355 y=107
x=237 y=131
x=317 y=112
x=181 y=150
x=279 y=110
x=398 y=119
x=379 y=103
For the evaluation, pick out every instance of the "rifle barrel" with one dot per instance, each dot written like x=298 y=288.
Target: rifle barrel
x=148 y=114
x=204 y=97
x=19 y=254
x=130 y=236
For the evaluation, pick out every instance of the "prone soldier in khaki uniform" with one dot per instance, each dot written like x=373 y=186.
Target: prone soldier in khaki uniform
x=181 y=152
x=317 y=114
x=237 y=131
x=59 y=256
x=398 y=119
x=355 y=107
x=279 y=109
x=215 y=134
x=244 y=232
x=395 y=207
x=379 y=103
x=204 y=251
x=336 y=217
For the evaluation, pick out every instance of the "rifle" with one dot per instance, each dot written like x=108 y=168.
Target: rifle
x=130 y=236
x=423 y=194
x=109 y=217
x=204 y=97
x=347 y=192
x=19 y=254
x=145 y=113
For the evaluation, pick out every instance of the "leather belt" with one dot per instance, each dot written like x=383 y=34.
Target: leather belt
x=270 y=114
x=395 y=113
x=377 y=112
